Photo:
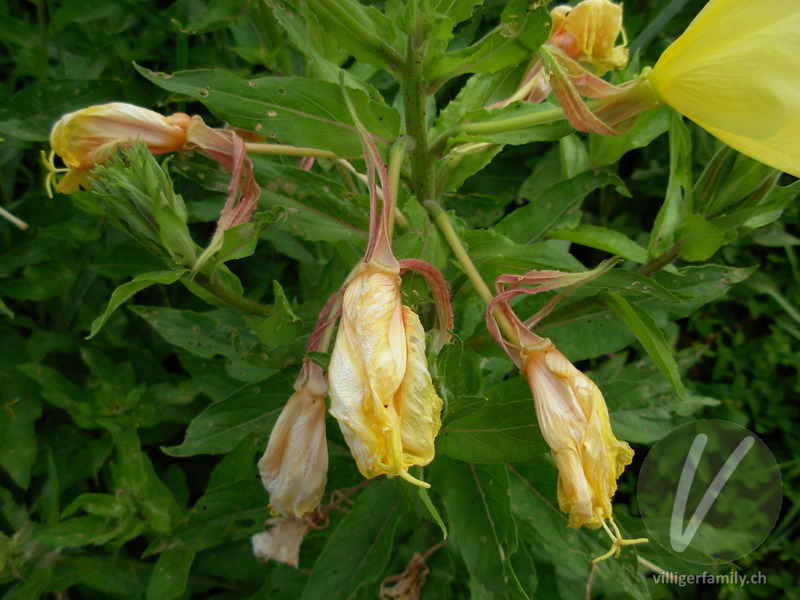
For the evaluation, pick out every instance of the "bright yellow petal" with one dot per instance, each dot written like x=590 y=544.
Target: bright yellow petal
x=736 y=72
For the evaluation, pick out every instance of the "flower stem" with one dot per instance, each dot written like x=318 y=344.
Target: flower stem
x=229 y=296
x=285 y=150
x=512 y=123
x=19 y=223
x=450 y=235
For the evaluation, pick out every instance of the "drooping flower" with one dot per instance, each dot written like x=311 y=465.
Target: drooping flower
x=735 y=71
x=87 y=137
x=574 y=422
x=294 y=467
x=381 y=391
x=570 y=408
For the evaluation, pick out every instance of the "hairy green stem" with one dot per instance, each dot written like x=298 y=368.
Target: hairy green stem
x=230 y=297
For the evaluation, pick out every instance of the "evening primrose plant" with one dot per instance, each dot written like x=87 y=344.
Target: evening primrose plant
x=430 y=317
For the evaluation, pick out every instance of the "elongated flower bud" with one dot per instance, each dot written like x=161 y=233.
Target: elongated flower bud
x=381 y=390
x=294 y=467
x=87 y=137
x=574 y=422
x=735 y=71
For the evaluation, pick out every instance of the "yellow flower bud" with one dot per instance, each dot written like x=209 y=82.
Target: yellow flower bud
x=574 y=422
x=735 y=71
x=87 y=137
x=588 y=32
x=295 y=466
x=381 y=390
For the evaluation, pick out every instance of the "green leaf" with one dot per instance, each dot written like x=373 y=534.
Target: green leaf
x=127 y=290
x=482 y=528
x=523 y=28
x=503 y=430
x=222 y=425
x=551 y=208
x=650 y=335
x=170 y=575
x=296 y=111
x=283 y=326
x=104 y=576
x=317 y=208
x=362 y=30
x=226 y=513
x=697 y=239
x=358 y=550
x=678 y=198
x=565 y=553
x=608 y=149
x=604 y=239
x=420 y=500
x=641 y=402
x=20 y=408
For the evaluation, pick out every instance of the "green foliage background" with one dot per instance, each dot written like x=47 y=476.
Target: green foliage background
x=128 y=460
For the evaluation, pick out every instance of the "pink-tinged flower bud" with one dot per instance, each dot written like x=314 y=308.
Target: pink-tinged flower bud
x=588 y=33
x=87 y=137
x=574 y=422
x=381 y=390
x=294 y=467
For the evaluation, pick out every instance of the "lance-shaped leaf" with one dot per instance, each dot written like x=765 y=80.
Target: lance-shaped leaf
x=286 y=110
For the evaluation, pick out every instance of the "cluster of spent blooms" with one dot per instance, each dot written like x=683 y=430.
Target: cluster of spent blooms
x=735 y=59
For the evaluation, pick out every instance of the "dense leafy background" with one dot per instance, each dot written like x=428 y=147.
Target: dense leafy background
x=128 y=461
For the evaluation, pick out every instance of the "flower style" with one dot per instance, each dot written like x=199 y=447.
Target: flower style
x=294 y=467
x=381 y=390
x=86 y=138
x=735 y=71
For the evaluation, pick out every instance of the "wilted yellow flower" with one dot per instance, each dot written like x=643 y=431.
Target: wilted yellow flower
x=589 y=31
x=381 y=390
x=574 y=422
x=294 y=467
x=86 y=138
x=735 y=71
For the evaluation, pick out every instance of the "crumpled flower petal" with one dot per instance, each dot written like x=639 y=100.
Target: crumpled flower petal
x=294 y=467
x=86 y=138
x=588 y=32
x=574 y=422
x=381 y=390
